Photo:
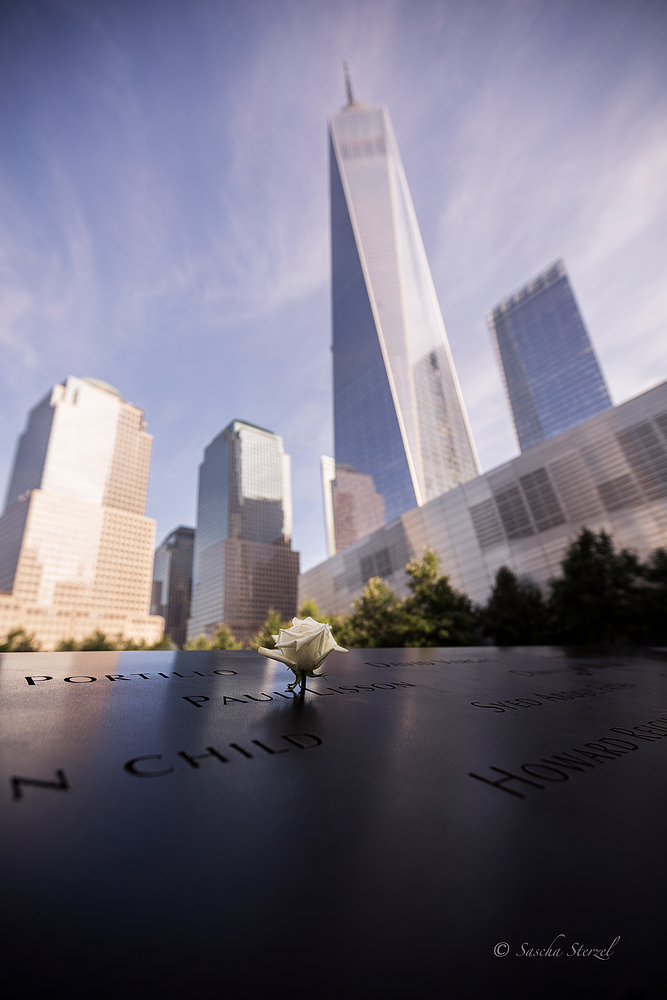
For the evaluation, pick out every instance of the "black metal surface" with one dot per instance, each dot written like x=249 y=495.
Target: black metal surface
x=339 y=846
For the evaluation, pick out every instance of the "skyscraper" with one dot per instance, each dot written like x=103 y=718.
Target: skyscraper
x=398 y=413
x=243 y=562
x=608 y=473
x=76 y=551
x=353 y=508
x=172 y=582
x=551 y=374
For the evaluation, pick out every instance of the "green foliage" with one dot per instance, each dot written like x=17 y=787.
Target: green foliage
x=99 y=641
x=600 y=596
x=309 y=609
x=515 y=614
x=433 y=614
x=377 y=620
x=271 y=627
x=339 y=623
x=121 y=643
x=223 y=639
x=201 y=642
x=437 y=614
x=655 y=596
x=66 y=645
x=164 y=642
x=18 y=641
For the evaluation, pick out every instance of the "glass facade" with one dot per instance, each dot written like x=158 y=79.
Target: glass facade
x=610 y=472
x=552 y=376
x=399 y=418
x=172 y=583
x=76 y=551
x=355 y=508
x=243 y=562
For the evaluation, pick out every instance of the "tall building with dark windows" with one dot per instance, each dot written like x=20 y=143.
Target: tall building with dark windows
x=552 y=376
x=243 y=561
x=399 y=418
x=172 y=582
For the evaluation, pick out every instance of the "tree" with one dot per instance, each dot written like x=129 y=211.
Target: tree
x=18 y=641
x=97 y=640
x=66 y=645
x=201 y=642
x=436 y=613
x=164 y=642
x=130 y=644
x=339 y=623
x=655 y=596
x=377 y=619
x=515 y=614
x=600 y=596
x=433 y=614
x=223 y=639
x=309 y=609
x=271 y=627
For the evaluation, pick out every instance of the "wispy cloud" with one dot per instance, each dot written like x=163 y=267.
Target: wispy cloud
x=164 y=197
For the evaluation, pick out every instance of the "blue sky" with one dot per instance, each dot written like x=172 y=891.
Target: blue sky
x=164 y=202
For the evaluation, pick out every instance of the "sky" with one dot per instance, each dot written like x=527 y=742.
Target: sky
x=164 y=208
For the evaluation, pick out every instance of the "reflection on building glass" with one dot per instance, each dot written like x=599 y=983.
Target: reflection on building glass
x=608 y=473
x=399 y=418
x=355 y=508
x=552 y=376
x=243 y=562
x=76 y=551
x=172 y=583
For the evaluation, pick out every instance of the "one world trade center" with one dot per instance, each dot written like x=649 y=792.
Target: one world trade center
x=402 y=436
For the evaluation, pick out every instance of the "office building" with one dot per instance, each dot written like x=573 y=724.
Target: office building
x=551 y=374
x=609 y=472
x=76 y=551
x=399 y=417
x=243 y=561
x=172 y=583
x=352 y=506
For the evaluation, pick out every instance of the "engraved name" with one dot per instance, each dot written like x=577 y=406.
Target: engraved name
x=578 y=759
x=589 y=691
x=200 y=699
x=35 y=679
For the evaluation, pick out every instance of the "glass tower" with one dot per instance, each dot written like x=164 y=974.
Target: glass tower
x=552 y=376
x=76 y=551
x=243 y=562
x=172 y=582
x=399 y=418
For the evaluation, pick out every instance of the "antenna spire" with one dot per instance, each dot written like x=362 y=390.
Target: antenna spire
x=348 y=85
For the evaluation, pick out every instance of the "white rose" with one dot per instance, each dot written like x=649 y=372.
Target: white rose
x=303 y=647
